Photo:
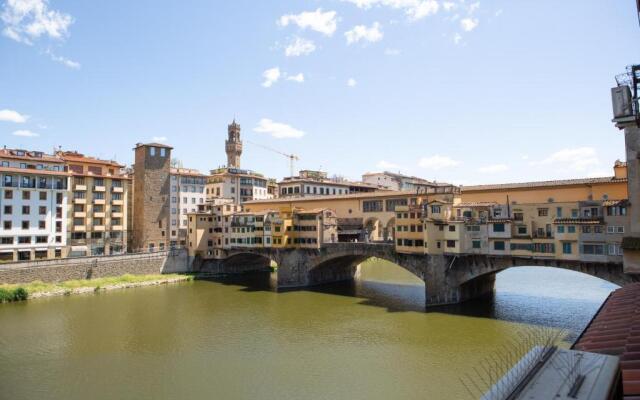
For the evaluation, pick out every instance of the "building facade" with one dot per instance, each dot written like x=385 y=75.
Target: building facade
x=239 y=185
x=399 y=182
x=151 y=197
x=34 y=206
x=316 y=183
x=187 y=194
x=98 y=205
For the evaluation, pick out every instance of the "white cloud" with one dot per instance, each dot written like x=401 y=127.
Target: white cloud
x=296 y=78
x=437 y=162
x=277 y=130
x=577 y=159
x=469 y=24
x=361 y=32
x=28 y=20
x=457 y=38
x=499 y=12
x=473 y=7
x=64 y=61
x=270 y=76
x=323 y=22
x=351 y=82
x=492 y=169
x=414 y=9
x=13 y=116
x=448 y=5
x=25 y=133
x=386 y=166
x=299 y=47
x=159 y=139
x=392 y=52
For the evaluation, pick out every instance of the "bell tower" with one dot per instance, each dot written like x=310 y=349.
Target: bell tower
x=233 y=145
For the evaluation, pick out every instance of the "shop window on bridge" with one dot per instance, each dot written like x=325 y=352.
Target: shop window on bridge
x=543 y=248
x=521 y=246
x=372 y=206
x=435 y=209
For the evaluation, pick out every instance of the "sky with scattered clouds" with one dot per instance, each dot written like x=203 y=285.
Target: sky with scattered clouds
x=458 y=90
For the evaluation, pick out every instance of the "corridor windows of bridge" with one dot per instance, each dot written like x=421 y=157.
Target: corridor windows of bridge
x=372 y=206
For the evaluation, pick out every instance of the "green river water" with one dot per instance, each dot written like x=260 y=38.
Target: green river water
x=235 y=339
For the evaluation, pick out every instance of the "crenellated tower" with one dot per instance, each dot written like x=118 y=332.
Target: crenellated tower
x=233 y=145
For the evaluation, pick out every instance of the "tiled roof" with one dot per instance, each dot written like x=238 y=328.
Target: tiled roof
x=36 y=156
x=525 y=185
x=615 y=330
x=74 y=156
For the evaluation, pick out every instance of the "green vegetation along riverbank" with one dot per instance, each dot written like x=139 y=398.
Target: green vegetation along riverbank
x=37 y=289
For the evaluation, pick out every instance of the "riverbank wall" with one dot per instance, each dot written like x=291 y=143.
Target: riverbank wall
x=65 y=269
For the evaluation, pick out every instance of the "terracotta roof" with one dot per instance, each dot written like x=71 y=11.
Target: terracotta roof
x=615 y=330
x=36 y=156
x=187 y=172
x=74 y=156
x=526 y=185
x=579 y=221
x=31 y=171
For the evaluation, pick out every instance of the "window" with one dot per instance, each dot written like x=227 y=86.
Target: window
x=42 y=210
x=25 y=224
x=498 y=245
x=452 y=228
x=152 y=152
x=566 y=248
x=7 y=225
x=586 y=229
x=24 y=239
x=42 y=239
x=522 y=230
x=8 y=210
x=43 y=196
x=435 y=209
x=26 y=195
x=558 y=212
x=6 y=240
x=543 y=212
x=8 y=194
x=571 y=229
x=451 y=244
x=593 y=249
x=42 y=225
x=498 y=228
x=162 y=152
x=475 y=244
x=473 y=228
x=26 y=210
x=372 y=206
x=518 y=216
x=574 y=213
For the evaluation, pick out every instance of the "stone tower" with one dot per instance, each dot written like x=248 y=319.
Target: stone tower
x=233 y=145
x=151 y=195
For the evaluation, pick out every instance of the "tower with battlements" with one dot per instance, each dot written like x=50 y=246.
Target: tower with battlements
x=233 y=145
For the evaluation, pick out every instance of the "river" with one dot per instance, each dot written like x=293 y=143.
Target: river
x=235 y=339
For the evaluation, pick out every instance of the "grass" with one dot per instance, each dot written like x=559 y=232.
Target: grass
x=17 y=292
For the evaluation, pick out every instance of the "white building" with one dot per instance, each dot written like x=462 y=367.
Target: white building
x=400 y=182
x=316 y=183
x=33 y=206
x=239 y=185
x=187 y=193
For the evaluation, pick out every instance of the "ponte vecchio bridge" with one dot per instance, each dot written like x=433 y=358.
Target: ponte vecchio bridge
x=448 y=279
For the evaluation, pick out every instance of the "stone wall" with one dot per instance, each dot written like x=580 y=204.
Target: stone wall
x=94 y=267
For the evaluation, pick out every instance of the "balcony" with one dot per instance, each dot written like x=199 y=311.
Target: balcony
x=79 y=214
x=99 y=189
x=79 y=201
x=99 y=201
x=80 y=188
x=99 y=214
x=117 y=202
x=116 y=228
x=79 y=228
x=117 y=189
x=117 y=215
x=98 y=228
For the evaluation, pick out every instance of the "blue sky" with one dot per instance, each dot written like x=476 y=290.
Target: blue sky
x=460 y=91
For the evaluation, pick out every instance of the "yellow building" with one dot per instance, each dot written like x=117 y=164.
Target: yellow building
x=98 y=206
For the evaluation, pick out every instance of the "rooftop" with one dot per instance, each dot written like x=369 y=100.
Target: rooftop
x=37 y=156
x=336 y=197
x=615 y=330
x=74 y=156
x=155 y=144
x=528 y=185
x=186 y=172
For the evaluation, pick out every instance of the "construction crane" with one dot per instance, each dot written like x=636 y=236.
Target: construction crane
x=292 y=157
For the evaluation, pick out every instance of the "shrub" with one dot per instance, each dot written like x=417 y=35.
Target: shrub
x=20 y=294
x=5 y=295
